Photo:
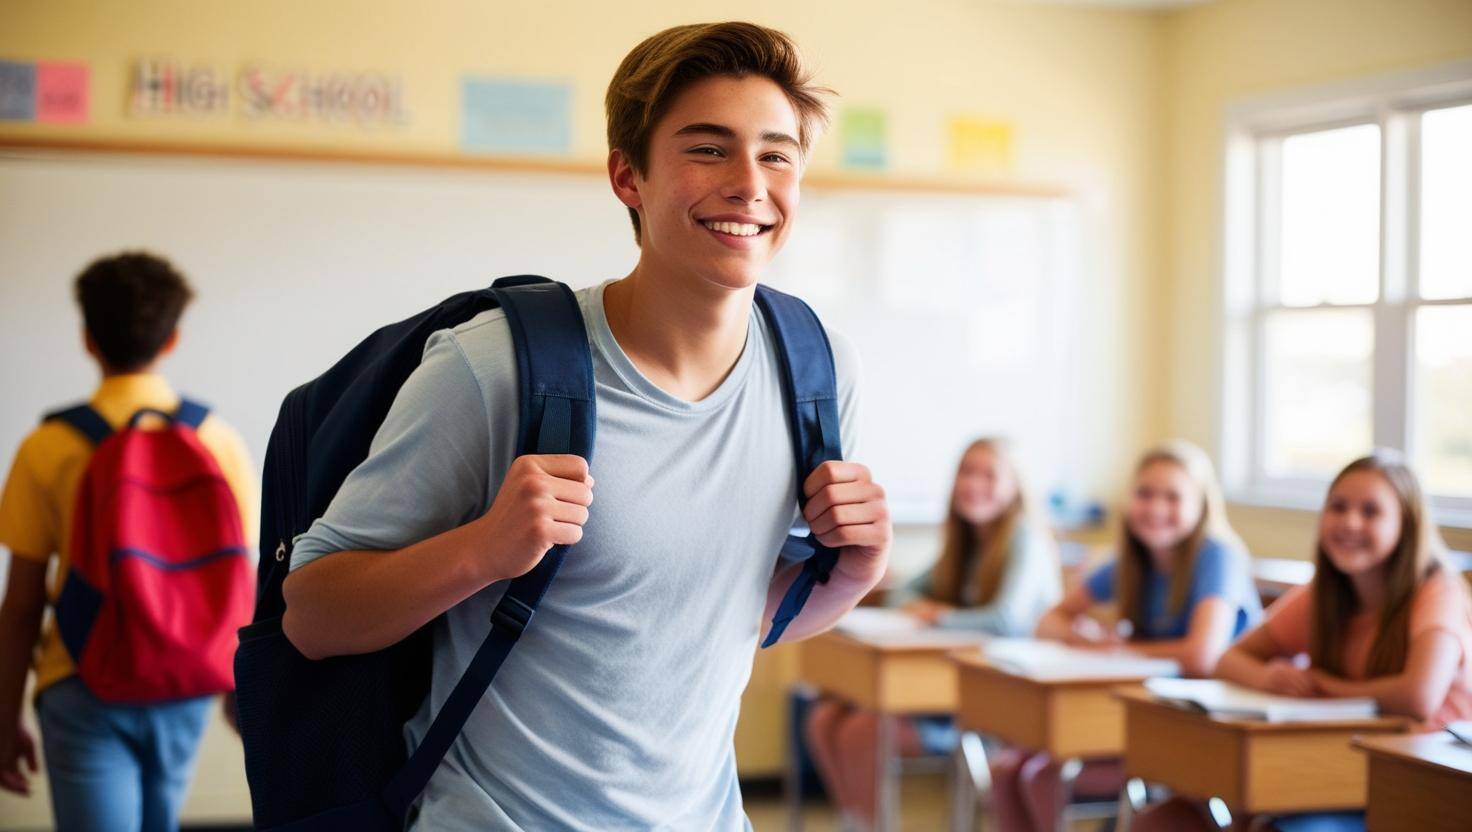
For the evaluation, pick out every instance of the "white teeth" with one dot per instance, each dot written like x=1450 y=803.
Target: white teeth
x=735 y=229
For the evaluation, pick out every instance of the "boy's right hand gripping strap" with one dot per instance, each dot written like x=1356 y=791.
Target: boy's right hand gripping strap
x=810 y=387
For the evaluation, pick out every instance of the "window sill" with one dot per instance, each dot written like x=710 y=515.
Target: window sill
x=1293 y=499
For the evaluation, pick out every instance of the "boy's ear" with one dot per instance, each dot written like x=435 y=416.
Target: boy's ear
x=90 y=344
x=624 y=178
x=169 y=344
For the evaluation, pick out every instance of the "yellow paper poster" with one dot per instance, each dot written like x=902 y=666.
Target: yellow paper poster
x=980 y=144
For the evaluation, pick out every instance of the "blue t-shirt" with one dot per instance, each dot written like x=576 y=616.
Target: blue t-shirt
x=1221 y=571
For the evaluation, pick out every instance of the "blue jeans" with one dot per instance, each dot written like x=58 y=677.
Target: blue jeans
x=117 y=767
x=1322 y=822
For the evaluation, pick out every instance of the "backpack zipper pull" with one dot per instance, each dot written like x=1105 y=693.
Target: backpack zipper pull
x=280 y=551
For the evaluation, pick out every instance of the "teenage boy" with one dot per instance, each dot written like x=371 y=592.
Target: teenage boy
x=109 y=766
x=617 y=708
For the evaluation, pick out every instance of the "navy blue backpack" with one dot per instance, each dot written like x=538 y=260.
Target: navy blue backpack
x=324 y=745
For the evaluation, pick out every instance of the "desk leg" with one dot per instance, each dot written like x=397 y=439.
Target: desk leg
x=886 y=787
x=1132 y=798
x=972 y=779
x=1067 y=774
x=792 y=778
x=1222 y=816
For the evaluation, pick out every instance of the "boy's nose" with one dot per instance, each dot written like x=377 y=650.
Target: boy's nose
x=744 y=184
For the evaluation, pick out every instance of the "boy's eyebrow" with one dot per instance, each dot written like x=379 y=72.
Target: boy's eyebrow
x=727 y=133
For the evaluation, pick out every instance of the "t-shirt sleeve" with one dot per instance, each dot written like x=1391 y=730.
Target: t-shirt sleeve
x=235 y=465
x=1100 y=583
x=1440 y=604
x=28 y=520
x=1213 y=572
x=1287 y=620
x=426 y=470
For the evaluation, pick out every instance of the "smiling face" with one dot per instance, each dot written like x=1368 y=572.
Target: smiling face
x=985 y=487
x=1360 y=525
x=721 y=186
x=1166 y=506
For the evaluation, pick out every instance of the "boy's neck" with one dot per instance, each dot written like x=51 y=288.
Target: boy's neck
x=108 y=372
x=683 y=334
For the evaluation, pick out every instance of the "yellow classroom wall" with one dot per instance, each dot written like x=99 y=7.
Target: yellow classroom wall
x=1121 y=107
x=1215 y=53
x=1080 y=86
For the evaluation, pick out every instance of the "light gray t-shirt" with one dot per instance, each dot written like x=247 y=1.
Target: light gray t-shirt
x=617 y=708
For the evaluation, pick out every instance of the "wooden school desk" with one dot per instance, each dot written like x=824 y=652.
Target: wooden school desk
x=894 y=677
x=1251 y=765
x=1072 y=719
x=1420 y=782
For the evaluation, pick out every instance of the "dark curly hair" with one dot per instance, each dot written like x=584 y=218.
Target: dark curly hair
x=131 y=303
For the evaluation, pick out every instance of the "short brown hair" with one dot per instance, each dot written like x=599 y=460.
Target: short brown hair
x=131 y=303
x=657 y=70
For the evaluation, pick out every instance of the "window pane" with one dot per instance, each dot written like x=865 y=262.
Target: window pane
x=1330 y=236
x=1317 y=388
x=1446 y=203
x=1444 y=399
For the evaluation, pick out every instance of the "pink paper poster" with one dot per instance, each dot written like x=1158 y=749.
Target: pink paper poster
x=61 y=93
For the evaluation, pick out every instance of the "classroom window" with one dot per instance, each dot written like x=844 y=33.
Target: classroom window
x=1348 y=265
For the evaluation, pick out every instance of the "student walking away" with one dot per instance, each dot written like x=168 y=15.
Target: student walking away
x=723 y=415
x=143 y=499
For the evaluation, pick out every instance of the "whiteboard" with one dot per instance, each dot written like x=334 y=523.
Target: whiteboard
x=958 y=304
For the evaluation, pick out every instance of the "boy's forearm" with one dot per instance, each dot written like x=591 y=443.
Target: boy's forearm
x=828 y=603
x=362 y=601
x=19 y=629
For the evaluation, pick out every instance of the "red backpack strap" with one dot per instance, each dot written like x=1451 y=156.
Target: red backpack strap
x=85 y=420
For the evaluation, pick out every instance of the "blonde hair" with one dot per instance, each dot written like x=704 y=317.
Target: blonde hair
x=1418 y=554
x=1134 y=557
x=962 y=548
x=657 y=70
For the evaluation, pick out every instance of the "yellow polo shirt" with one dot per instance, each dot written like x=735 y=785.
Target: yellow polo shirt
x=40 y=494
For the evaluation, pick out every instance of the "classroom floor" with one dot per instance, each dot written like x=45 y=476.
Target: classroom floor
x=924 y=807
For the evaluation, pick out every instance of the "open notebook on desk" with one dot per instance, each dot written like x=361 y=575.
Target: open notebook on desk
x=1054 y=661
x=891 y=627
x=1462 y=730
x=1224 y=699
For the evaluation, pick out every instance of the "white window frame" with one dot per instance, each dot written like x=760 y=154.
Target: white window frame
x=1255 y=129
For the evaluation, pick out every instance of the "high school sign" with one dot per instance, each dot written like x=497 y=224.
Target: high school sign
x=255 y=91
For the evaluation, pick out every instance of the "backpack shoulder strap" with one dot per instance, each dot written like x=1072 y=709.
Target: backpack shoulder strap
x=555 y=377
x=85 y=419
x=810 y=388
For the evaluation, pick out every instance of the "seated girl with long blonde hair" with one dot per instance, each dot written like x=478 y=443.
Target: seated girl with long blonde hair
x=997 y=573
x=1182 y=588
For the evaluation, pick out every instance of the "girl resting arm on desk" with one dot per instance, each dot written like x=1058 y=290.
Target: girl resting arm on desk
x=1384 y=617
x=1183 y=589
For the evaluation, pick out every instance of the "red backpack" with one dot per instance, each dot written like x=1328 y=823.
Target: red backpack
x=160 y=578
